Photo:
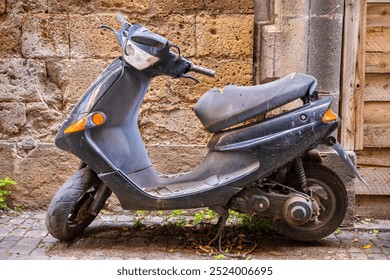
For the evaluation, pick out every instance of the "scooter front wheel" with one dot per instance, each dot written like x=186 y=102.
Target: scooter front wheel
x=329 y=192
x=68 y=214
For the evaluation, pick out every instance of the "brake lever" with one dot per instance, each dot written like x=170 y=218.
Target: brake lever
x=186 y=76
x=107 y=27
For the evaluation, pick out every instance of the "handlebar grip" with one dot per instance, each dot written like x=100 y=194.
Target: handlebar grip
x=120 y=18
x=202 y=70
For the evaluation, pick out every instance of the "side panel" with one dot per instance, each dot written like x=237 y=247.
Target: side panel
x=280 y=139
x=118 y=139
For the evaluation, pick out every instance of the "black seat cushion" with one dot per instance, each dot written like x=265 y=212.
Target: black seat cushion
x=219 y=109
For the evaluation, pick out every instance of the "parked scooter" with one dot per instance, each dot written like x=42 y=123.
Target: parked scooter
x=267 y=168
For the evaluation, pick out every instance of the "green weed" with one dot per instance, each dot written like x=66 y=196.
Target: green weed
x=5 y=192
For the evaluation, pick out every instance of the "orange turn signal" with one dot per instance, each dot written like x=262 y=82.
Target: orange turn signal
x=329 y=116
x=98 y=119
x=76 y=126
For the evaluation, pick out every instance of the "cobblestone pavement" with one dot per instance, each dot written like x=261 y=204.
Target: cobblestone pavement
x=23 y=235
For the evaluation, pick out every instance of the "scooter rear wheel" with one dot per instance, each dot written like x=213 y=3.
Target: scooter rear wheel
x=68 y=214
x=329 y=192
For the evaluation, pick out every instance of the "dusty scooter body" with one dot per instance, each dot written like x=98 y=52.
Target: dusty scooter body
x=267 y=168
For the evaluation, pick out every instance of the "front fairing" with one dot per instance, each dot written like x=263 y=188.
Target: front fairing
x=117 y=93
x=76 y=143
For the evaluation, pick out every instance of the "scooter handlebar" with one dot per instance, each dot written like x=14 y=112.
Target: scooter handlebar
x=202 y=70
x=121 y=19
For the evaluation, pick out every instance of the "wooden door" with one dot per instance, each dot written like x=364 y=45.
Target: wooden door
x=374 y=151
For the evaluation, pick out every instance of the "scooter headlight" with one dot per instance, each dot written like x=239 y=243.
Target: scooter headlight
x=137 y=57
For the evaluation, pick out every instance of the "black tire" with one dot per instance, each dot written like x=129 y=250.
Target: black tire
x=67 y=216
x=330 y=190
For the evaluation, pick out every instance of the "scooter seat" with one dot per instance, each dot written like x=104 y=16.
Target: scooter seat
x=220 y=109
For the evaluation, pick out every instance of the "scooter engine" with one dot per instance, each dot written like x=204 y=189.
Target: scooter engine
x=294 y=209
x=297 y=210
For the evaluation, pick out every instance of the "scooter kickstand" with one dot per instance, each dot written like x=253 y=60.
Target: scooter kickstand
x=223 y=216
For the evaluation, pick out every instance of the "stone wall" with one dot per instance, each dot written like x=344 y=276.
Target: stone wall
x=51 y=50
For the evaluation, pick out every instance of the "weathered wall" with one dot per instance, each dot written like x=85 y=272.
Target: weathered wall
x=51 y=50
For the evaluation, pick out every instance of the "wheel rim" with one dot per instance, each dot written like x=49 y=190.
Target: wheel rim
x=79 y=213
x=326 y=200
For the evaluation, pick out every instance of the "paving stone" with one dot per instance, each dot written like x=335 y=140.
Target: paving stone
x=7 y=244
x=40 y=251
x=18 y=257
x=124 y=218
x=19 y=231
x=95 y=223
x=376 y=257
x=3 y=257
x=40 y=216
x=36 y=233
x=58 y=258
x=356 y=250
x=21 y=249
x=156 y=220
x=382 y=242
x=49 y=239
x=358 y=256
x=38 y=257
x=29 y=241
x=385 y=236
x=12 y=237
x=3 y=233
x=386 y=250
x=16 y=221
x=23 y=240
x=39 y=226
x=373 y=250
x=4 y=219
x=29 y=222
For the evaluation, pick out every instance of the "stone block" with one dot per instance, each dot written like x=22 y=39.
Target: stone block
x=43 y=121
x=89 y=41
x=74 y=77
x=205 y=6
x=179 y=29
x=26 y=6
x=7 y=155
x=71 y=6
x=164 y=124
x=10 y=37
x=176 y=159
x=159 y=91
x=2 y=7
x=12 y=119
x=324 y=56
x=225 y=36
x=328 y=8
x=45 y=36
x=40 y=174
x=139 y=6
x=22 y=80
x=267 y=52
x=294 y=9
x=291 y=42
